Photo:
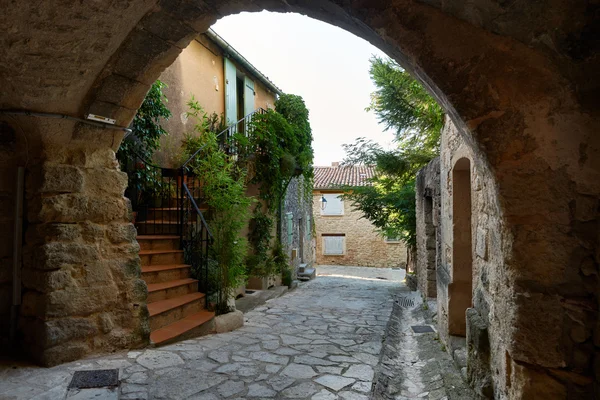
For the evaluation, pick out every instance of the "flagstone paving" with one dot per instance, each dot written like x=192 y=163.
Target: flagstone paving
x=321 y=341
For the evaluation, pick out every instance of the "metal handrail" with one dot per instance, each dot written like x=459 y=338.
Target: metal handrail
x=197 y=209
x=259 y=110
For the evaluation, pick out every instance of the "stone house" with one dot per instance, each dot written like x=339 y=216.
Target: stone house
x=343 y=236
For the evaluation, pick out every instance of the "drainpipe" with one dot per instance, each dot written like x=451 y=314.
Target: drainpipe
x=17 y=245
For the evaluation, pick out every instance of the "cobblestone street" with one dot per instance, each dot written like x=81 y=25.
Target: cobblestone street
x=322 y=341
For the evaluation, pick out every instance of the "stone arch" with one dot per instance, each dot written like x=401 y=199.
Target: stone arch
x=460 y=290
x=519 y=81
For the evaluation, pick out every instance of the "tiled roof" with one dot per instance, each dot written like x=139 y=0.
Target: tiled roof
x=330 y=177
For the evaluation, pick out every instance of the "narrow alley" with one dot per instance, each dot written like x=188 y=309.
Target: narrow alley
x=325 y=340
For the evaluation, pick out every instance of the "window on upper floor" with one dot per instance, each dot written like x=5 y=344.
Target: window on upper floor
x=334 y=205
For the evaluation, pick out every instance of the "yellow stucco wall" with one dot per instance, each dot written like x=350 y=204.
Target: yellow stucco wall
x=198 y=71
x=364 y=246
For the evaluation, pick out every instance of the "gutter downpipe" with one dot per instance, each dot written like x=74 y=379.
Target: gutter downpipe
x=233 y=53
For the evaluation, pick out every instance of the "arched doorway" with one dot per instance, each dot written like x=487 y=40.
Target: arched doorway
x=460 y=290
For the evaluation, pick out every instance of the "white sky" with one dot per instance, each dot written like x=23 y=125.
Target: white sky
x=327 y=66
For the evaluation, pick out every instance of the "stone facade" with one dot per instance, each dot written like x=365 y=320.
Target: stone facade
x=463 y=242
x=299 y=246
x=364 y=246
x=428 y=227
x=81 y=286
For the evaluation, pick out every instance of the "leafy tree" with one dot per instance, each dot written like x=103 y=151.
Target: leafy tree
x=402 y=105
x=146 y=128
x=143 y=142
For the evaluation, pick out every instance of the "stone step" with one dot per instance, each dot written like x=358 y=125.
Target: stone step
x=307 y=274
x=172 y=289
x=157 y=227
x=161 y=257
x=164 y=273
x=166 y=312
x=168 y=213
x=158 y=242
x=184 y=328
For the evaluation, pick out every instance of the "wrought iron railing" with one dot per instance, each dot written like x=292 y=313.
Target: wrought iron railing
x=196 y=241
x=153 y=192
x=227 y=136
x=170 y=201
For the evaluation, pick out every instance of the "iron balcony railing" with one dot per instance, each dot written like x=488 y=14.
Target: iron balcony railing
x=226 y=137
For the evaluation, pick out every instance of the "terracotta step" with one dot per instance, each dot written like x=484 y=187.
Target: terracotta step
x=179 y=329
x=158 y=242
x=172 y=289
x=165 y=273
x=157 y=227
x=166 y=312
x=161 y=257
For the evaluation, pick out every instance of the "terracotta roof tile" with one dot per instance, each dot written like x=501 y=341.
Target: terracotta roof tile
x=330 y=177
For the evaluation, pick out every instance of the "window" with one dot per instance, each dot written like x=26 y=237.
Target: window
x=392 y=239
x=308 y=230
x=290 y=227
x=334 y=205
x=334 y=245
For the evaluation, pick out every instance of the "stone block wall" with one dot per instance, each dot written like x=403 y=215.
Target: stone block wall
x=12 y=155
x=82 y=291
x=364 y=246
x=428 y=227
x=487 y=322
x=300 y=205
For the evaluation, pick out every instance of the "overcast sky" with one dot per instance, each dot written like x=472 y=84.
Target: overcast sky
x=327 y=66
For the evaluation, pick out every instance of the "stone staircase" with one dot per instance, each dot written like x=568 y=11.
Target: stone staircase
x=177 y=309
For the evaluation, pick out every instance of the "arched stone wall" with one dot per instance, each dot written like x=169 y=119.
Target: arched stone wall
x=519 y=81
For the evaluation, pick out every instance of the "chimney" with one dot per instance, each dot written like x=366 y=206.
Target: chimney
x=335 y=164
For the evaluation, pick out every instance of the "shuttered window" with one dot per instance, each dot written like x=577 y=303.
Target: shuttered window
x=333 y=206
x=334 y=245
x=308 y=227
x=290 y=227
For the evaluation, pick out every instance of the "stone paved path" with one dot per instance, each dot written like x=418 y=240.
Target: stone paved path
x=322 y=341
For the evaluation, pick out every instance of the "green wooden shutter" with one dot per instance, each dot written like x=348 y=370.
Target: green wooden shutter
x=308 y=227
x=290 y=225
x=230 y=92
x=248 y=96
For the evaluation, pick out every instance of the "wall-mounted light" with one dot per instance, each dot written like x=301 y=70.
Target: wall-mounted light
x=323 y=202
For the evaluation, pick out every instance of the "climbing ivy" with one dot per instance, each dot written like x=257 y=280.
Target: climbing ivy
x=278 y=149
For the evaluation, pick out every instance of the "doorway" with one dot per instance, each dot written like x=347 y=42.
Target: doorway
x=460 y=291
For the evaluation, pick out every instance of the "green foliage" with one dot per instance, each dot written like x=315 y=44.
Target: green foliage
x=282 y=264
x=144 y=140
x=279 y=148
x=403 y=105
x=260 y=263
x=225 y=193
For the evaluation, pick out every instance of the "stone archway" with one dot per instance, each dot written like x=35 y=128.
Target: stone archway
x=460 y=291
x=519 y=81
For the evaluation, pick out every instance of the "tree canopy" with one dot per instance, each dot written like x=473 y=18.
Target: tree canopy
x=403 y=105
